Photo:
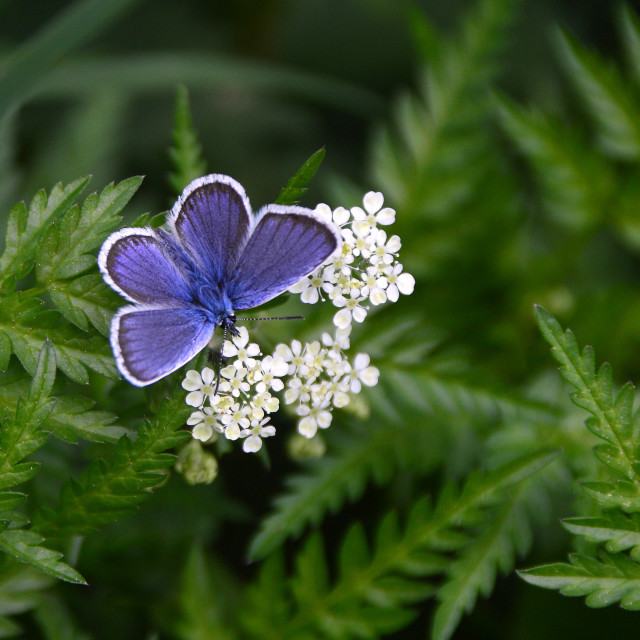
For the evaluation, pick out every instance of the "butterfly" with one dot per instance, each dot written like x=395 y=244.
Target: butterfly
x=215 y=258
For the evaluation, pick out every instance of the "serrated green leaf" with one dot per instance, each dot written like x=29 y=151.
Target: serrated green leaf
x=25 y=546
x=606 y=93
x=185 y=151
x=63 y=252
x=297 y=185
x=85 y=300
x=26 y=228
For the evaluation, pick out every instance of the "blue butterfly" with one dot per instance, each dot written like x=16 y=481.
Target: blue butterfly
x=216 y=258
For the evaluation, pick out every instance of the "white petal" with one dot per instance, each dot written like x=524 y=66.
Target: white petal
x=253 y=350
x=307 y=427
x=252 y=444
x=310 y=295
x=303 y=410
x=378 y=296
x=266 y=432
x=277 y=385
x=373 y=201
x=232 y=432
x=324 y=211
x=340 y=399
x=202 y=432
x=299 y=286
x=229 y=349
x=283 y=351
x=279 y=367
x=356 y=387
x=386 y=216
x=361 y=361
x=324 y=419
x=370 y=376
x=359 y=314
x=394 y=245
x=406 y=283
x=361 y=227
x=392 y=293
x=192 y=380
x=291 y=395
x=195 y=417
x=358 y=213
x=342 y=319
x=341 y=216
x=208 y=375
x=195 y=399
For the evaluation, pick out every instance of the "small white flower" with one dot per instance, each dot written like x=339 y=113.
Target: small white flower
x=398 y=282
x=310 y=286
x=236 y=419
x=204 y=423
x=235 y=382
x=374 y=286
x=361 y=373
x=269 y=374
x=339 y=341
x=352 y=309
x=364 y=222
x=240 y=348
x=200 y=386
x=313 y=418
x=255 y=433
x=297 y=390
x=385 y=250
x=291 y=355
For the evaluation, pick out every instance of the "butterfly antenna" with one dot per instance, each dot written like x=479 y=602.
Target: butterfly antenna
x=279 y=318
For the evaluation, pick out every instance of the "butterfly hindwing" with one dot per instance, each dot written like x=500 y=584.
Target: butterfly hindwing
x=286 y=244
x=150 y=343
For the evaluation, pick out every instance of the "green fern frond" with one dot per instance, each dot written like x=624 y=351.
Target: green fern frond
x=108 y=491
x=576 y=181
x=374 y=586
x=185 y=151
x=614 y=108
x=358 y=454
x=612 y=420
x=618 y=531
x=611 y=579
x=420 y=165
x=27 y=227
x=19 y=438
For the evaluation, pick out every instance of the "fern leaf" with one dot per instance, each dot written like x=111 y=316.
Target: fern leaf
x=185 y=152
x=330 y=480
x=108 y=491
x=612 y=416
x=612 y=579
x=297 y=185
x=372 y=589
x=618 y=531
x=576 y=181
x=27 y=325
x=64 y=251
x=25 y=546
x=630 y=26
x=26 y=228
x=85 y=300
x=606 y=93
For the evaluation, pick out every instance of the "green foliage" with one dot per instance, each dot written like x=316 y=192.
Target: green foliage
x=613 y=575
x=297 y=185
x=185 y=152
x=376 y=583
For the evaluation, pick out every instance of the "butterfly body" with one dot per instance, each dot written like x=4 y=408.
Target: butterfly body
x=216 y=258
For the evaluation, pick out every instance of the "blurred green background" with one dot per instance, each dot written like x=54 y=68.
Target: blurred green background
x=270 y=82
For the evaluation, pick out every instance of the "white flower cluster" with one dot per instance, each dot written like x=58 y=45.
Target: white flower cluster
x=317 y=377
x=320 y=378
x=367 y=268
x=240 y=408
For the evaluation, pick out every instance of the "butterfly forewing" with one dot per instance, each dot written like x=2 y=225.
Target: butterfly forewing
x=212 y=220
x=287 y=244
x=139 y=264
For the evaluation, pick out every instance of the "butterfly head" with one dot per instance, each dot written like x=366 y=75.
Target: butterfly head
x=228 y=325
